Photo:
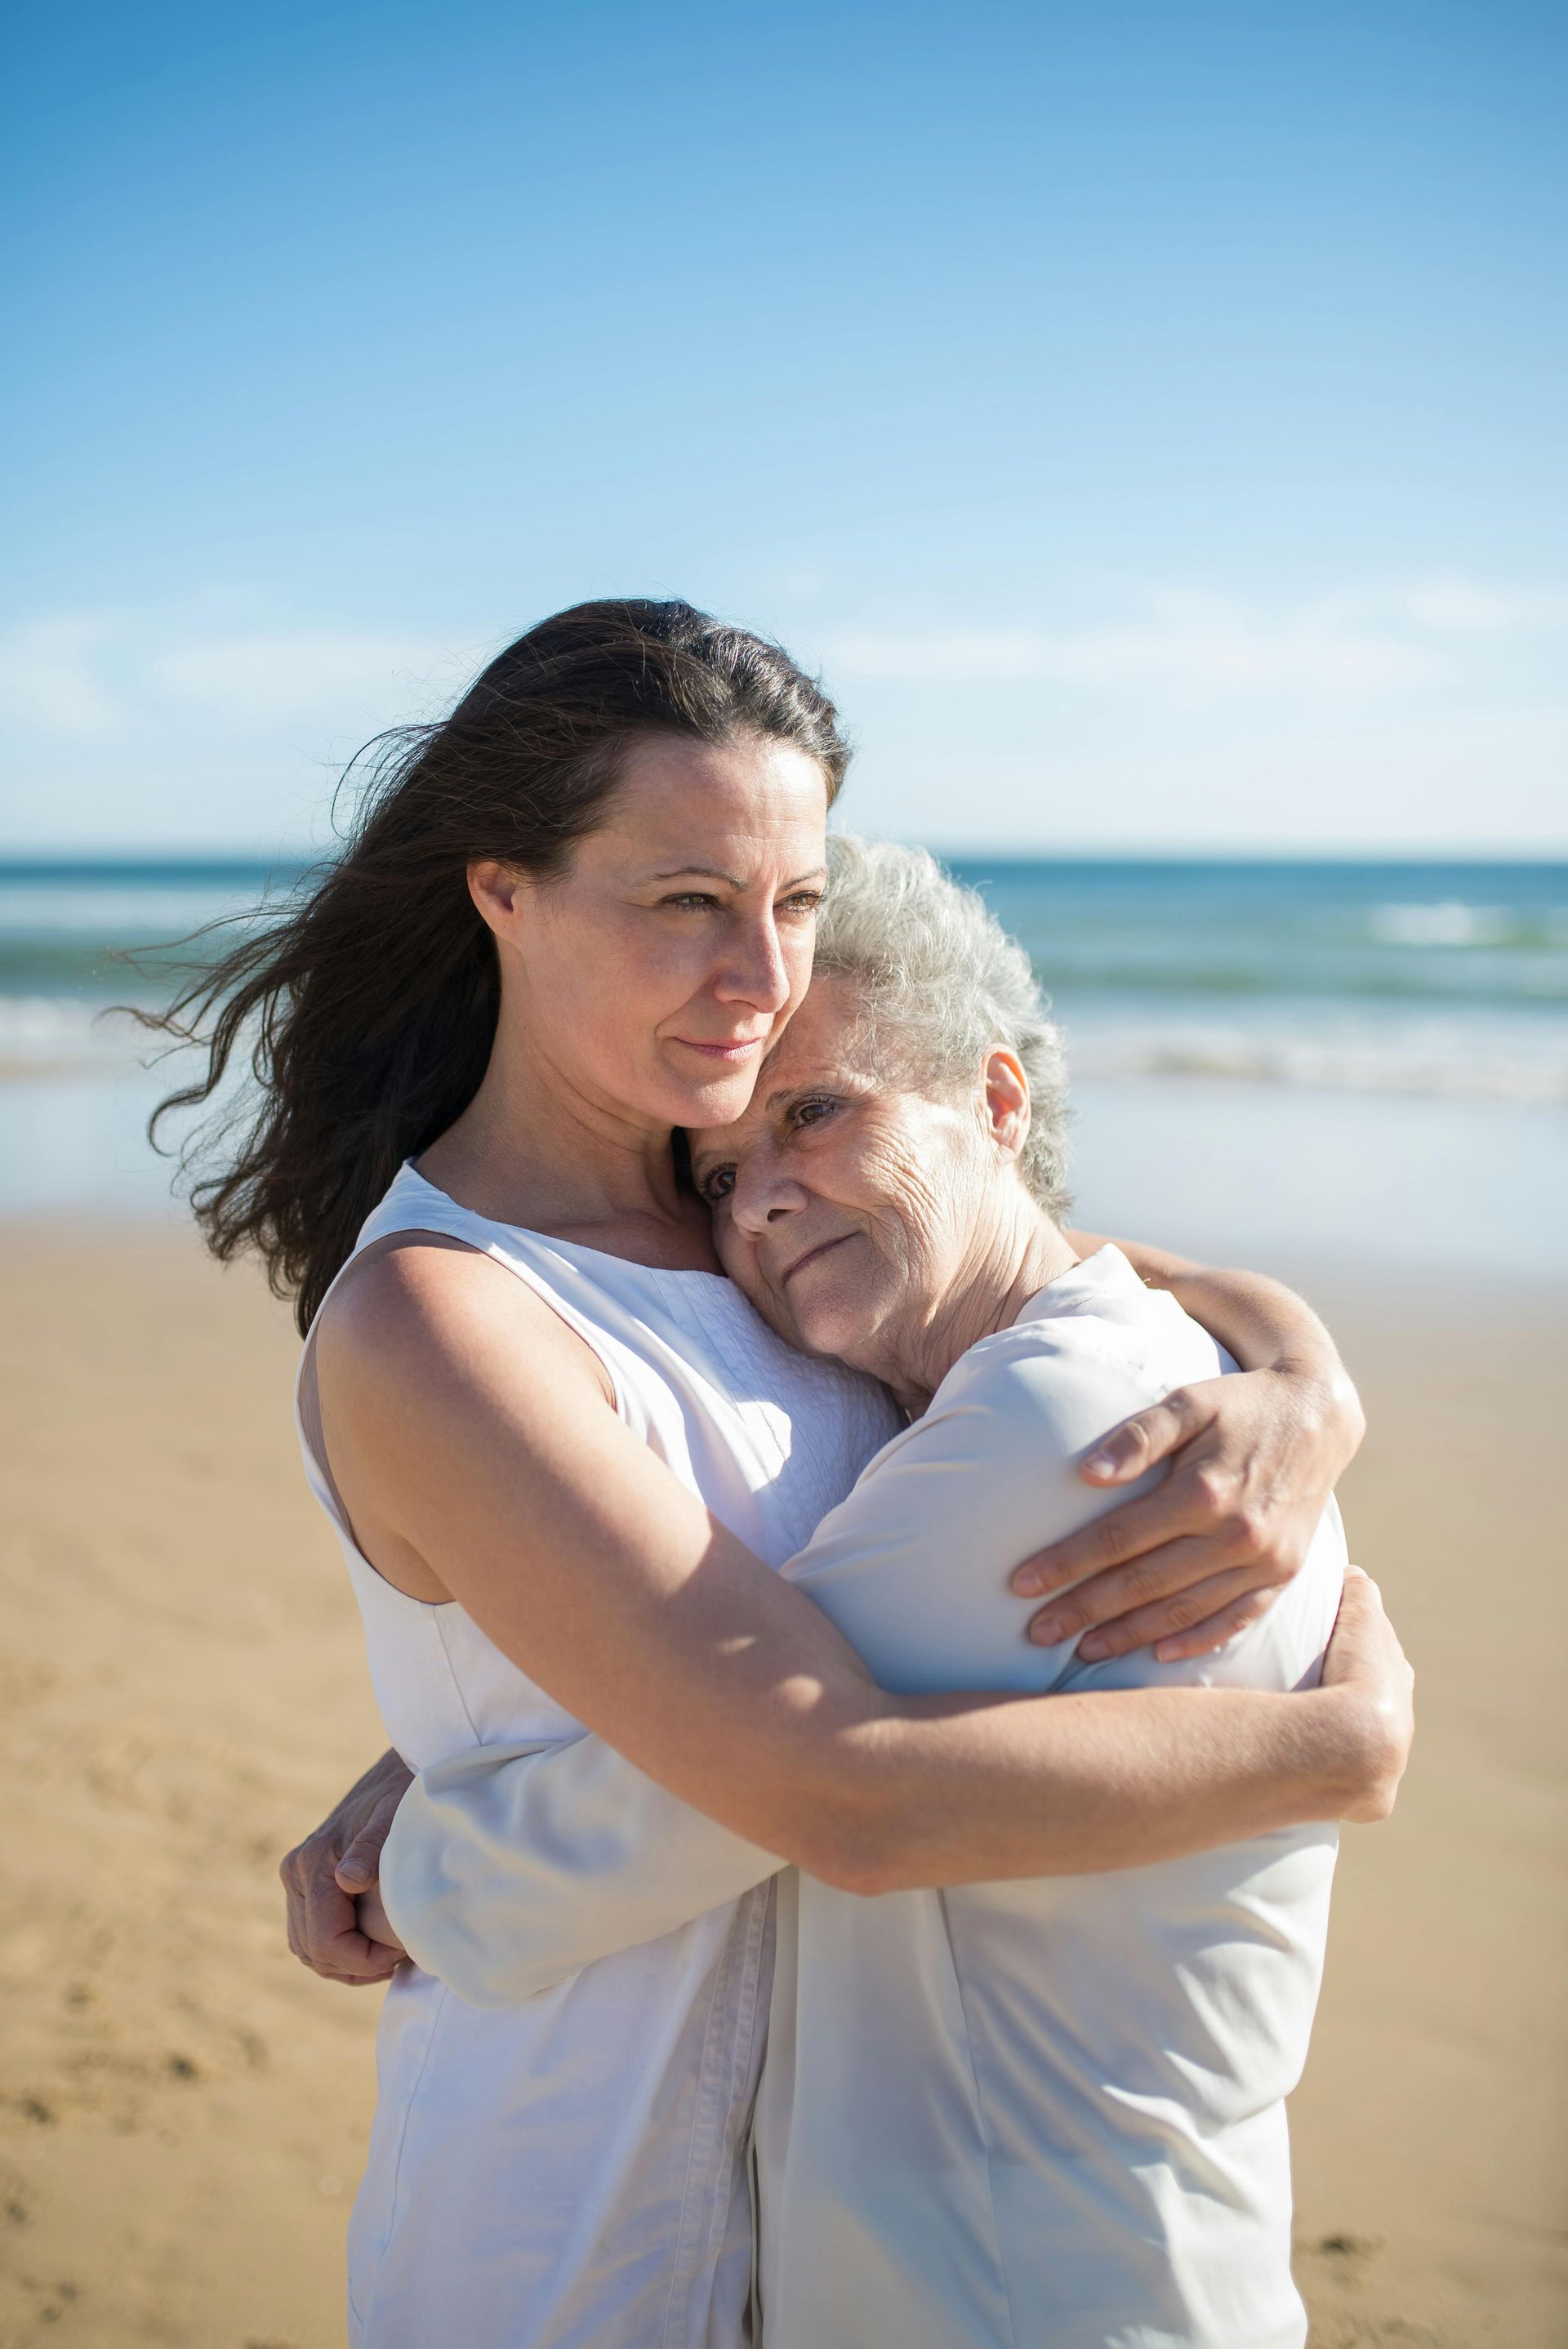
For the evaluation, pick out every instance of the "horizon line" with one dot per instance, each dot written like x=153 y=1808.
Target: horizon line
x=194 y=857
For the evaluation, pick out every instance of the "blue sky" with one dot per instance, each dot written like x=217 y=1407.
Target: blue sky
x=1150 y=418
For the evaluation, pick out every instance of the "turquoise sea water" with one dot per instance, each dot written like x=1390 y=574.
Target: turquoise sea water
x=1351 y=1057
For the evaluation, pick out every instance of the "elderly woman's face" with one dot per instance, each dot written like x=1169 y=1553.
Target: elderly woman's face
x=845 y=1204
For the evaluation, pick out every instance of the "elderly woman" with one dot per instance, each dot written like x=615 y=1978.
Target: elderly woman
x=1046 y=2110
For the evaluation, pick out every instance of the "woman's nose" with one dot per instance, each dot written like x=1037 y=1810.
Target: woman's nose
x=763 y=1197
x=755 y=970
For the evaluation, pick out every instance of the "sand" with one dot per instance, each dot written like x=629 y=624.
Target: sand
x=183 y=2109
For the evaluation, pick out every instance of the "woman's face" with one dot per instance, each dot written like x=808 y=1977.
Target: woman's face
x=653 y=975
x=848 y=1205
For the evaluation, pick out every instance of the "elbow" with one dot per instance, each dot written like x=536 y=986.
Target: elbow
x=1351 y=1413
x=865 y=1872
x=481 y=1987
x=863 y=1869
x=485 y=1972
x=854 y=1842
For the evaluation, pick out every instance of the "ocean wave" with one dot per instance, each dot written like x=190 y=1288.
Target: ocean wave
x=1529 y=1073
x=1494 y=1060
x=45 y=1031
x=1451 y=922
x=113 y=910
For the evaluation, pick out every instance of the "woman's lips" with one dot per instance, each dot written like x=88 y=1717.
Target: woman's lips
x=823 y=1247
x=741 y=1051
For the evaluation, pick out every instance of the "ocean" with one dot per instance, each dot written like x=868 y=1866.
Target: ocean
x=1349 y=1059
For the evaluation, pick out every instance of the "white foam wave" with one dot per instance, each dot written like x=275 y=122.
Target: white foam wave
x=109 y=910
x=1519 y=1061
x=1452 y=922
x=1528 y=1072
x=38 y=1032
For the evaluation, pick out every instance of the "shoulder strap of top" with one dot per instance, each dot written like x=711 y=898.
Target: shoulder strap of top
x=412 y=1205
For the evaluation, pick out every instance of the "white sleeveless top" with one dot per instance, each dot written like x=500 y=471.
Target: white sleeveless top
x=573 y=2170
x=1011 y=2116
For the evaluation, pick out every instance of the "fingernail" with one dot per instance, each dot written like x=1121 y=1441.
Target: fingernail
x=1092 y=1649
x=1028 y=1586
x=1099 y=1464
x=1046 y=1631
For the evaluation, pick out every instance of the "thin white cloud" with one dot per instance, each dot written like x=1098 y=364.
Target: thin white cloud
x=1354 y=644
x=124 y=679
x=1460 y=606
x=1428 y=708
x=91 y=678
x=49 y=682
x=293 y=675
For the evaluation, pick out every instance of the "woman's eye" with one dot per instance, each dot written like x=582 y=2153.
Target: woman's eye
x=812 y=1112
x=690 y=901
x=719 y=1185
x=804 y=901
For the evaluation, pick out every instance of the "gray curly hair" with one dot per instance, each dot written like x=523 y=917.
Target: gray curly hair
x=942 y=981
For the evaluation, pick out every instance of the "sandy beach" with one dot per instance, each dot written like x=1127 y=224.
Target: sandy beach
x=184 y=2109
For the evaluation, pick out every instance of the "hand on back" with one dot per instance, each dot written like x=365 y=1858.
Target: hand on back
x=336 y=1925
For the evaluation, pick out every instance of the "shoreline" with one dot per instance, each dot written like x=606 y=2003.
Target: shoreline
x=185 y=2109
x=1380 y=1185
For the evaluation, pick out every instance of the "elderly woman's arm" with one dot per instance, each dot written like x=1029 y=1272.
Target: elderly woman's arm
x=507 y=1870
x=1254 y=1460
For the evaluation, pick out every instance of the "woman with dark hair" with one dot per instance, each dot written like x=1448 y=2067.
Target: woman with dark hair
x=375 y=1003
x=563 y=1454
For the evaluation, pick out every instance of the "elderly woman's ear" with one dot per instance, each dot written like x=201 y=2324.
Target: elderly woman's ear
x=1007 y=1100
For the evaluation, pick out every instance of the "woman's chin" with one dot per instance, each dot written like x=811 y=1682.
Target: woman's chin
x=703 y=1101
x=829 y=1326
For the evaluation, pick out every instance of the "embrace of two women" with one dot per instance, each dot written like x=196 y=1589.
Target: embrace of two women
x=872 y=1671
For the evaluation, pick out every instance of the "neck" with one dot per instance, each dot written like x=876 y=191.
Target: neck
x=1015 y=1252
x=533 y=1148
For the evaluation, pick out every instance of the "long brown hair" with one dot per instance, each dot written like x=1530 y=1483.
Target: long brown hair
x=369 y=1004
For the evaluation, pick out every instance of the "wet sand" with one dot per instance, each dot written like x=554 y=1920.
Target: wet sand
x=184 y=2110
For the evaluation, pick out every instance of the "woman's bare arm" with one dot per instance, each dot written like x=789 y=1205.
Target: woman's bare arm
x=506 y=1870
x=470 y=1435
x=1254 y=1460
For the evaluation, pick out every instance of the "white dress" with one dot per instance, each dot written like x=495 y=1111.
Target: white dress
x=573 y=2172
x=1018 y=2115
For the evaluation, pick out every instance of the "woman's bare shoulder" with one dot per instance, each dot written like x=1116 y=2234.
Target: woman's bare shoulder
x=417 y=1303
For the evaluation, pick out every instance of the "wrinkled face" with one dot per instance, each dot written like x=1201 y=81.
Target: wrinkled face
x=844 y=1204
x=653 y=975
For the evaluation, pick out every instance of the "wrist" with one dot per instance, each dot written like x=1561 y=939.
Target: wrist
x=1326 y=1397
x=1365 y=1755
